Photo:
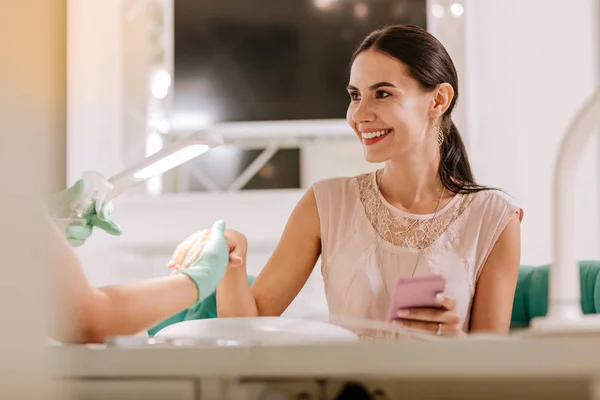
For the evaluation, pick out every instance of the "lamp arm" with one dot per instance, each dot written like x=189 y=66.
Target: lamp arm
x=564 y=281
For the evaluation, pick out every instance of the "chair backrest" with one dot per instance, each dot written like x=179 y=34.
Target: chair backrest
x=531 y=296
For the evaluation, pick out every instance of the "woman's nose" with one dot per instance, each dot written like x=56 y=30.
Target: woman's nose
x=363 y=113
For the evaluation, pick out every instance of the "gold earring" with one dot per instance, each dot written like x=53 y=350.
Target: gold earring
x=440 y=136
x=439 y=133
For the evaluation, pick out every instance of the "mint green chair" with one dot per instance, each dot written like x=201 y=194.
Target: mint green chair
x=531 y=296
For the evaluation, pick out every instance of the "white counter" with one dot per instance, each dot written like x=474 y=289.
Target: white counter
x=481 y=358
x=571 y=363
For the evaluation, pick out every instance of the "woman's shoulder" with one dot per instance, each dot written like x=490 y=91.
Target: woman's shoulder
x=341 y=194
x=341 y=184
x=496 y=201
x=342 y=180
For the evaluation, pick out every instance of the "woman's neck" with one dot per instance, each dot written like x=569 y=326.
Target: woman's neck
x=411 y=183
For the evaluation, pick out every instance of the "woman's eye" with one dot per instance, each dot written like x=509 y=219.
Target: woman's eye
x=354 y=96
x=380 y=94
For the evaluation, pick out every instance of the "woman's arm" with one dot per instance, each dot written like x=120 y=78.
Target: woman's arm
x=130 y=308
x=495 y=291
x=91 y=314
x=285 y=273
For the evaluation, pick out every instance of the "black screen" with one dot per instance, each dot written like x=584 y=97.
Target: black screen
x=257 y=60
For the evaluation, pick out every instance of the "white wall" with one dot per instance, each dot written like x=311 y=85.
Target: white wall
x=530 y=65
x=533 y=66
x=94 y=87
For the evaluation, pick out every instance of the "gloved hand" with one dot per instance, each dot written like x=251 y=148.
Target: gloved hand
x=208 y=270
x=60 y=207
x=188 y=251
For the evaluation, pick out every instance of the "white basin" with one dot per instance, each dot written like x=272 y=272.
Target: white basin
x=262 y=331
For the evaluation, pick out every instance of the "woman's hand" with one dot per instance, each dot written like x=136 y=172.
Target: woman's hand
x=189 y=250
x=443 y=321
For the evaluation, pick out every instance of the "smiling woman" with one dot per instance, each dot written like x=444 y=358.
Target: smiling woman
x=422 y=214
x=419 y=72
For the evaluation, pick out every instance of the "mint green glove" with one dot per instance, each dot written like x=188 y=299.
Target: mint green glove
x=208 y=270
x=60 y=207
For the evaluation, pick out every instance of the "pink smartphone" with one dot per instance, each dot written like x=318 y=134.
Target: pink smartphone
x=416 y=292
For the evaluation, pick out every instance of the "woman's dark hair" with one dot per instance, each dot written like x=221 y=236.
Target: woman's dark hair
x=430 y=64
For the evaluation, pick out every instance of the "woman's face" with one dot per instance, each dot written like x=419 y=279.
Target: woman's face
x=389 y=111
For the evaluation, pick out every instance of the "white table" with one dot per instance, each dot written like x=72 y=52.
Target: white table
x=472 y=368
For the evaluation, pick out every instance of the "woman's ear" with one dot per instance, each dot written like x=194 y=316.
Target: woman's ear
x=442 y=98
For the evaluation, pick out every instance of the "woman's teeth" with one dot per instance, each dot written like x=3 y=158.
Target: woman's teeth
x=373 y=135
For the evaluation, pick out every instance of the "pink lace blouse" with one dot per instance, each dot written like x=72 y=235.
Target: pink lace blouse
x=367 y=244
